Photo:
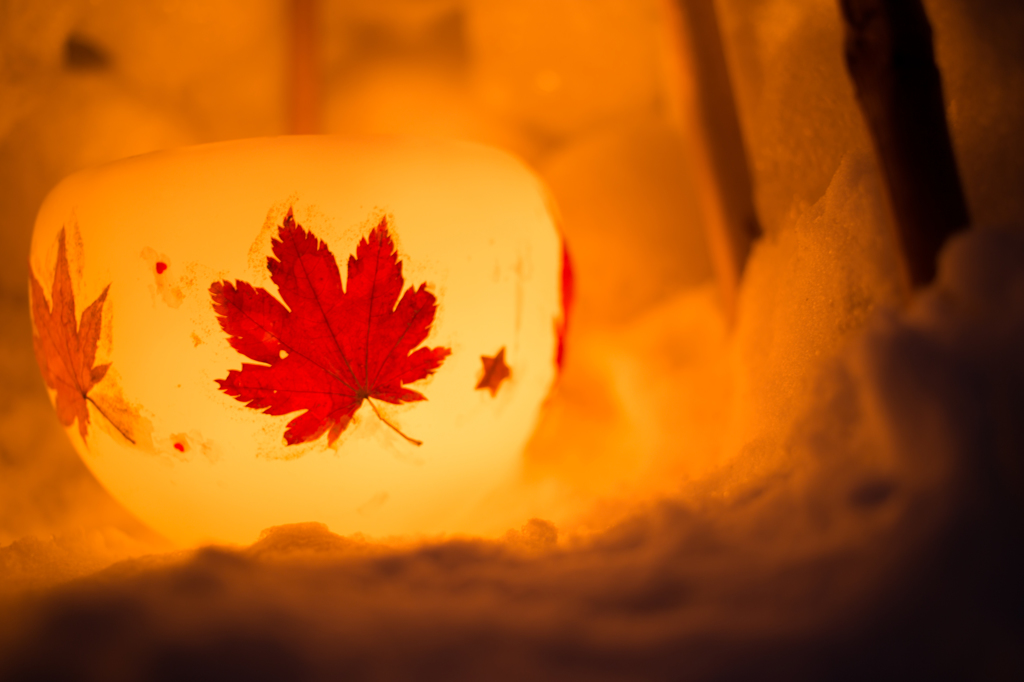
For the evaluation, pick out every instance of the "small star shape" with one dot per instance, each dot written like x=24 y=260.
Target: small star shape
x=495 y=372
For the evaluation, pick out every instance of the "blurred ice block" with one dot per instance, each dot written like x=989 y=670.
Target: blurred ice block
x=800 y=117
x=559 y=67
x=630 y=219
x=404 y=19
x=32 y=37
x=979 y=50
x=220 y=64
x=399 y=67
x=81 y=121
x=796 y=104
x=404 y=99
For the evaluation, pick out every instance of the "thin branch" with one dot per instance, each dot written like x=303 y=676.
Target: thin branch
x=304 y=86
x=891 y=61
x=723 y=176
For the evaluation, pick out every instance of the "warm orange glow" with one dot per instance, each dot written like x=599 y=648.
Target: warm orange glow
x=470 y=222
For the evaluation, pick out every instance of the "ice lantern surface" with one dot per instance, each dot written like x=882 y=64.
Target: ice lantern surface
x=259 y=332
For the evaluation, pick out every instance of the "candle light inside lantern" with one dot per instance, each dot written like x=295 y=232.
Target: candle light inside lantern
x=270 y=331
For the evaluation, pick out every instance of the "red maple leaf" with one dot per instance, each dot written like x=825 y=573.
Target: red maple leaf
x=65 y=348
x=331 y=348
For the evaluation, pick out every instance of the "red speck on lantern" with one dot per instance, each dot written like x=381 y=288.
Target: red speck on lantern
x=160 y=267
x=180 y=447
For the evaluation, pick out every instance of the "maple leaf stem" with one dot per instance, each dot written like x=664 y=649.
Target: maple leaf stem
x=112 y=423
x=393 y=427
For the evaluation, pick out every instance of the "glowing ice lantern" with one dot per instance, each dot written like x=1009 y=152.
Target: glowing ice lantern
x=259 y=332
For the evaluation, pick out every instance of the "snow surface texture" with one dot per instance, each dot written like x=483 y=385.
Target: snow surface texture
x=888 y=515
x=831 y=491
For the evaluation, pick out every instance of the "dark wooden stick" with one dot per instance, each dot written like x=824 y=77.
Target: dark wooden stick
x=303 y=104
x=891 y=61
x=723 y=176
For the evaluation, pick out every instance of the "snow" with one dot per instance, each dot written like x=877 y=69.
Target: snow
x=831 y=489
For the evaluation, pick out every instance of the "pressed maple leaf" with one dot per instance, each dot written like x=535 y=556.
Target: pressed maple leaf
x=332 y=347
x=65 y=347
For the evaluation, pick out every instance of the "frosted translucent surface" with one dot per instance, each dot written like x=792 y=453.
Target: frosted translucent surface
x=471 y=222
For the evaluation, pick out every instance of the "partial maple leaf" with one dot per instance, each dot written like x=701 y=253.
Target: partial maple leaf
x=331 y=348
x=66 y=348
x=495 y=372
